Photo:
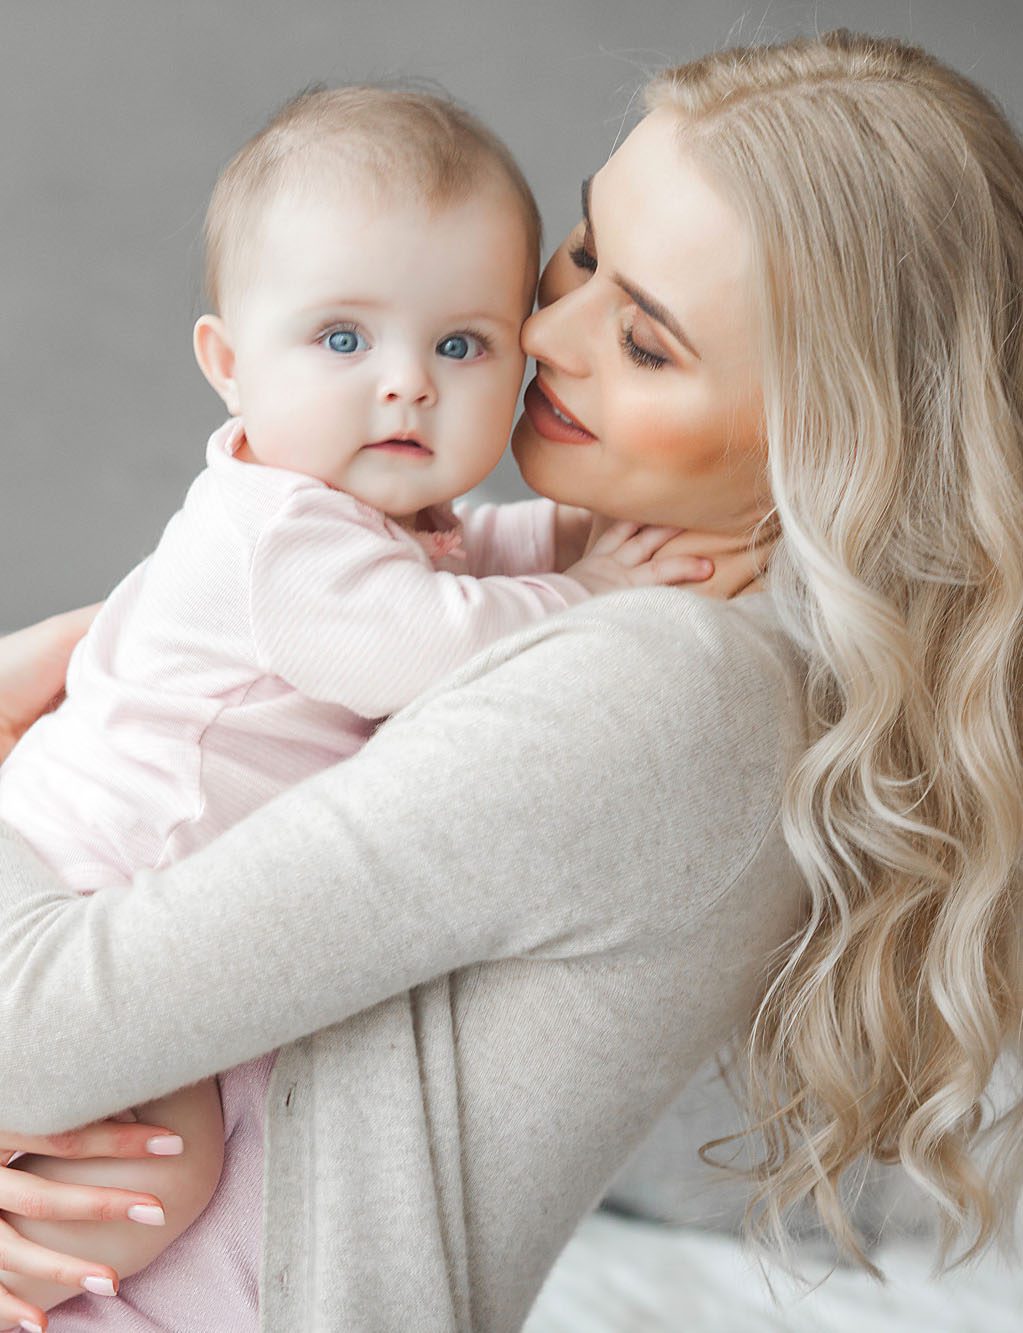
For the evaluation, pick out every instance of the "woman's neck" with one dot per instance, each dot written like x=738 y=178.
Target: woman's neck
x=737 y=566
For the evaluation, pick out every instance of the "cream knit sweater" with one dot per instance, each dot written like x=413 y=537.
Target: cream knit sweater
x=495 y=945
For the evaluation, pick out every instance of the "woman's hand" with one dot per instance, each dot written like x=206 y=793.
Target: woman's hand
x=33 y=664
x=736 y=569
x=25 y=1195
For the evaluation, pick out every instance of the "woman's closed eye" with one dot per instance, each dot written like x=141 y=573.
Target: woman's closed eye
x=638 y=353
x=640 y=345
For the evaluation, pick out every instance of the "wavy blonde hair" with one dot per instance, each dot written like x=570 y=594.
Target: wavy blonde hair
x=884 y=196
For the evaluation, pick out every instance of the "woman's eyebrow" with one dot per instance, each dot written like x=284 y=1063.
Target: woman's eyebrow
x=647 y=303
x=655 y=310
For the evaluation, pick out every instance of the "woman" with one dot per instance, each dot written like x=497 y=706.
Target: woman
x=545 y=892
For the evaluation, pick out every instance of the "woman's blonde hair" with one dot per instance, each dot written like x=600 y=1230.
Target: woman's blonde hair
x=884 y=197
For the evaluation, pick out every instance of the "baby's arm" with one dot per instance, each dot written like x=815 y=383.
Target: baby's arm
x=184 y=1185
x=524 y=537
x=347 y=613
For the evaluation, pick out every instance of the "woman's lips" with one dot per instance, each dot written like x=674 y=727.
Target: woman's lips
x=550 y=418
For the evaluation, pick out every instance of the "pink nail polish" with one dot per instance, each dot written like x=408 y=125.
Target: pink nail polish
x=165 y=1145
x=147 y=1213
x=100 y=1286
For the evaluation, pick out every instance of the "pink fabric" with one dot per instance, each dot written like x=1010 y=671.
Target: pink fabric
x=209 y=1277
x=277 y=621
x=275 y=624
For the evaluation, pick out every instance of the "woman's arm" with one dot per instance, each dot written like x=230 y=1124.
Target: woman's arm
x=33 y=664
x=497 y=817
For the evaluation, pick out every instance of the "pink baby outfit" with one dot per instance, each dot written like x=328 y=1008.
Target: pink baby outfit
x=273 y=627
x=275 y=624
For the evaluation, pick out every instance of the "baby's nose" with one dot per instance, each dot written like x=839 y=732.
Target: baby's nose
x=408 y=381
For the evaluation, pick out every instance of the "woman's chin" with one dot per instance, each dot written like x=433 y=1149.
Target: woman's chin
x=538 y=469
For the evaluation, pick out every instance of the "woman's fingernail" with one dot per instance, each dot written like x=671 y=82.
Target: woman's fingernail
x=706 y=567
x=100 y=1286
x=29 y=1327
x=147 y=1213
x=165 y=1145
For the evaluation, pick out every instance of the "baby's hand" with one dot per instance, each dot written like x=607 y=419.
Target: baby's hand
x=625 y=556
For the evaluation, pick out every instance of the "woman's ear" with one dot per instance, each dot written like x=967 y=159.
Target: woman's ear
x=215 y=355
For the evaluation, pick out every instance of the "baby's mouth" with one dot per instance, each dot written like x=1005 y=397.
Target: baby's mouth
x=404 y=444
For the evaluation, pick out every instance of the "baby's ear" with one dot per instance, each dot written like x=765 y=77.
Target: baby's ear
x=215 y=354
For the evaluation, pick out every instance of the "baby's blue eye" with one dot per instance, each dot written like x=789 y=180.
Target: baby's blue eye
x=346 y=341
x=461 y=347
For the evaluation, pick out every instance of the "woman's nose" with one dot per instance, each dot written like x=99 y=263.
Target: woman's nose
x=407 y=379
x=558 y=333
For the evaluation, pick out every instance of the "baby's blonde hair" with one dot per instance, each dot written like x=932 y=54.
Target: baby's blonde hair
x=401 y=144
x=883 y=194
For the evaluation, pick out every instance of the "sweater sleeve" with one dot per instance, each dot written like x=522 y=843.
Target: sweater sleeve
x=510 y=539
x=348 y=614
x=566 y=799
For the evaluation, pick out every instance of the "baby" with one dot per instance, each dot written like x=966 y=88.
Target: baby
x=371 y=256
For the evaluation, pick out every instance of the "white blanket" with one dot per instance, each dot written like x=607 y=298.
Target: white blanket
x=619 y=1275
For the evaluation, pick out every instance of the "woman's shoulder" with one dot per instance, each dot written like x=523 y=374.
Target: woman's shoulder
x=656 y=645
x=650 y=729
x=713 y=684
x=704 y=632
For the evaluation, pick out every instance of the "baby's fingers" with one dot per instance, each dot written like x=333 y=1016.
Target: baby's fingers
x=615 y=536
x=635 y=548
x=672 y=569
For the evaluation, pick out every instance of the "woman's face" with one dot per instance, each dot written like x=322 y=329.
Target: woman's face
x=646 y=339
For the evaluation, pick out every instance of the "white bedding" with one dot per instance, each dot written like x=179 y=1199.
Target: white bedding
x=627 y=1276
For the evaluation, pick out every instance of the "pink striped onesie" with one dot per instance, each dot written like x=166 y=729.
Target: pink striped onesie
x=275 y=624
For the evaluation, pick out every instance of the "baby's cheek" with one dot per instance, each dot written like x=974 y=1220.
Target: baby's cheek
x=299 y=440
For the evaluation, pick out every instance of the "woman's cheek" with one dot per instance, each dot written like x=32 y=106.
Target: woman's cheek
x=677 y=433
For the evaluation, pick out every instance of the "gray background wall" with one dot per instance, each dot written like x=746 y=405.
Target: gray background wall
x=114 y=118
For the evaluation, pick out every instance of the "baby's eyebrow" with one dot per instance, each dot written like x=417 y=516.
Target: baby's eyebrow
x=342 y=303
x=485 y=317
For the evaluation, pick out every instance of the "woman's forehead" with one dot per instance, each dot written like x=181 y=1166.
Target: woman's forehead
x=660 y=222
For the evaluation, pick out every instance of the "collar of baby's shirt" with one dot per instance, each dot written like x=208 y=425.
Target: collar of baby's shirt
x=222 y=459
x=438 y=531
x=225 y=441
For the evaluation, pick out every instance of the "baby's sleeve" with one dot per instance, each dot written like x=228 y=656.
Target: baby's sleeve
x=509 y=539
x=347 y=613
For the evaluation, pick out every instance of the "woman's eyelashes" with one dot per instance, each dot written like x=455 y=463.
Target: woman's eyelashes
x=646 y=357
x=582 y=258
x=642 y=356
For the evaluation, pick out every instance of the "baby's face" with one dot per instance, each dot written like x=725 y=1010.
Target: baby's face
x=377 y=344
